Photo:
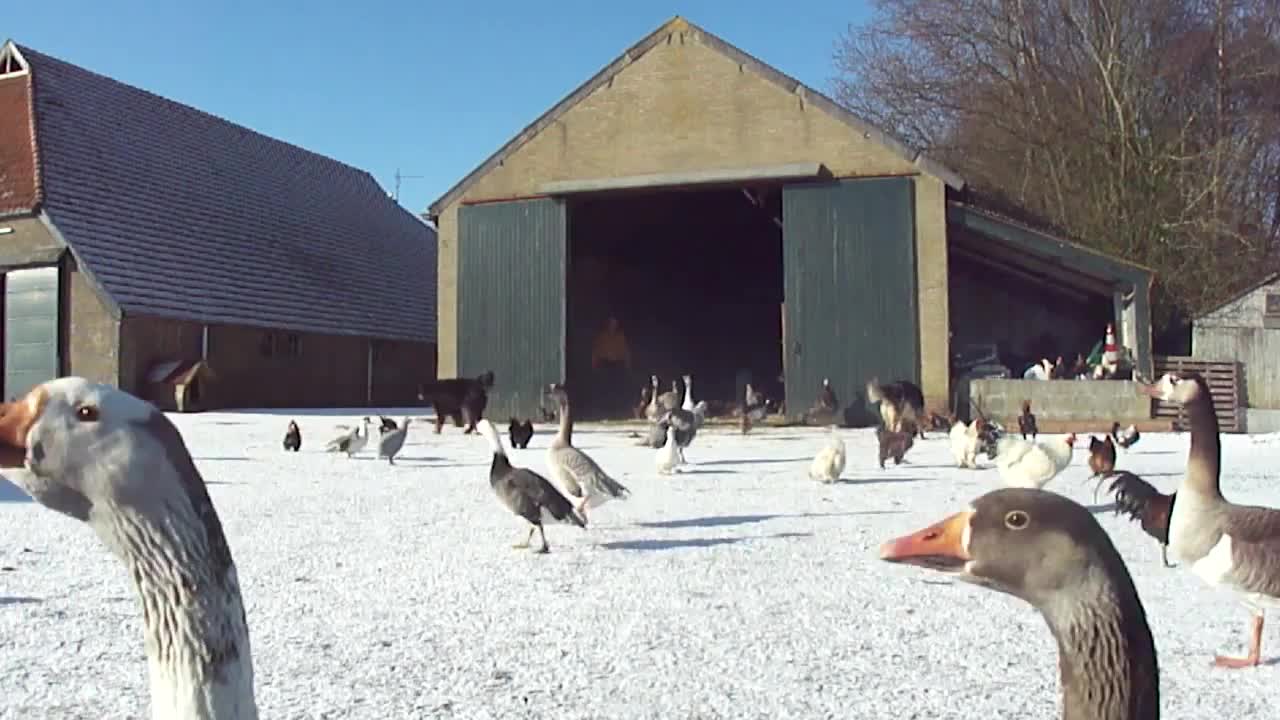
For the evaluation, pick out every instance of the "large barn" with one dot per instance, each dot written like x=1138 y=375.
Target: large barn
x=150 y=245
x=733 y=219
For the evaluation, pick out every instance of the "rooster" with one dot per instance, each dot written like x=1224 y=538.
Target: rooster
x=1027 y=422
x=1102 y=460
x=1030 y=465
x=1127 y=438
x=1138 y=499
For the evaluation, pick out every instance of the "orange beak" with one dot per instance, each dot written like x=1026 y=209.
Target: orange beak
x=940 y=546
x=16 y=419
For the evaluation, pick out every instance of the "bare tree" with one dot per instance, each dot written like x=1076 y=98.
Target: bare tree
x=1150 y=130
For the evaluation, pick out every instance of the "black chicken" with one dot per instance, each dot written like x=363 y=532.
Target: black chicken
x=293 y=437
x=1138 y=499
x=520 y=432
x=1126 y=438
x=1027 y=422
x=387 y=425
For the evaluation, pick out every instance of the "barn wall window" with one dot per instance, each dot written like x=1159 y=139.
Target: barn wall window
x=1272 y=304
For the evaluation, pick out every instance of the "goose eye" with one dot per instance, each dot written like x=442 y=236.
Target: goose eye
x=87 y=413
x=1016 y=520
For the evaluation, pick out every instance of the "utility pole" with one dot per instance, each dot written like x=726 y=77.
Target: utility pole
x=396 y=195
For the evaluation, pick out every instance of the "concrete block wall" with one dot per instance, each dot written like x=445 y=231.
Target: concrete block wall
x=1067 y=402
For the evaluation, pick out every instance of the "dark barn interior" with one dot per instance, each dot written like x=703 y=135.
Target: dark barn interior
x=1028 y=309
x=694 y=277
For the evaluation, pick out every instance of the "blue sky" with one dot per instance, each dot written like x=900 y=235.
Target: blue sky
x=429 y=88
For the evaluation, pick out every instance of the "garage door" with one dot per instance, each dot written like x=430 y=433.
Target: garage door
x=30 y=329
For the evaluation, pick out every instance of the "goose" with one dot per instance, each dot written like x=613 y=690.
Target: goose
x=654 y=408
x=526 y=493
x=293 y=437
x=669 y=400
x=385 y=425
x=113 y=461
x=667 y=459
x=829 y=462
x=686 y=424
x=1225 y=544
x=1050 y=551
x=352 y=441
x=392 y=440
x=754 y=408
x=688 y=404
x=576 y=472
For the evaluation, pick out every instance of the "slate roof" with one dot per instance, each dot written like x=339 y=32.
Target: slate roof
x=176 y=213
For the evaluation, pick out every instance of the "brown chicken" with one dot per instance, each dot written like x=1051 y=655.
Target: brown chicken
x=1138 y=499
x=1102 y=460
x=895 y=444
x=1027 y=422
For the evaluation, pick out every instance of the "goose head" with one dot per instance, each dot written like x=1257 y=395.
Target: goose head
x=559 y=392
x=69 y=441
x=113 y=461
x=1032 y=544
x=1177 y=388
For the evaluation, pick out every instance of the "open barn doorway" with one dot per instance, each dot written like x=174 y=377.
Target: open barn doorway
x=694 y=278
x=1009 y=310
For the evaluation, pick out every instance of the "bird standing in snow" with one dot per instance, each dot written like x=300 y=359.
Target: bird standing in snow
x=352 y=441
x=576 y=472
x=1031 y=465
x=391 y=442
x=293 y=437
x=828 y=464
x=526 y=493
x=667 y=458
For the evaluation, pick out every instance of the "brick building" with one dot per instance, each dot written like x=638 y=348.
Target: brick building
x=734 y=220
x=145 y=243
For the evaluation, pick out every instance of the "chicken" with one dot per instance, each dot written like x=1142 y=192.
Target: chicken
x=520 y=432
x=828 y=463
x=1138 y=499
x=1030 y=465
x=966 y=441
x=895 y=444
x=1102 y=460
x=1127 y=438
x=1027 y=422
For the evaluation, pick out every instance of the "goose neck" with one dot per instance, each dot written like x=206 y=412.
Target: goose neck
x=1204 y=457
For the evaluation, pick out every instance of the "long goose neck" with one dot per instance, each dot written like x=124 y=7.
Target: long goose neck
x=1106 y=656
x=1205 y=456
x=196 y=634
x=565 y=436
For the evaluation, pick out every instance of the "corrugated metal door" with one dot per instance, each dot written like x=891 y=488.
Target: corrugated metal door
x=511 y=312
x=30 y=329
x=850 y=267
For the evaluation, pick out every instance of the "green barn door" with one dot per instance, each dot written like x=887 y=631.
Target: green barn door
x=850 y=267
x=511 y=311
x=31 y=328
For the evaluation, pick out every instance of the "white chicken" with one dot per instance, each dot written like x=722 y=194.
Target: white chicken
x=667 y=459
x=828 y=464
x=965 y=442
x=1032 y=465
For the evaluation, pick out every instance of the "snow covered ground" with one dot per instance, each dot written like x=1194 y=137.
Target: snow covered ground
x=739 y=589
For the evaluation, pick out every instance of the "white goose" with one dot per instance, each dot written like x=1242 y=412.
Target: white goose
x=115 y=462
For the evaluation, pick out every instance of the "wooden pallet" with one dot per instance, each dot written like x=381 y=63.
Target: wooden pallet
x=1224 y=385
